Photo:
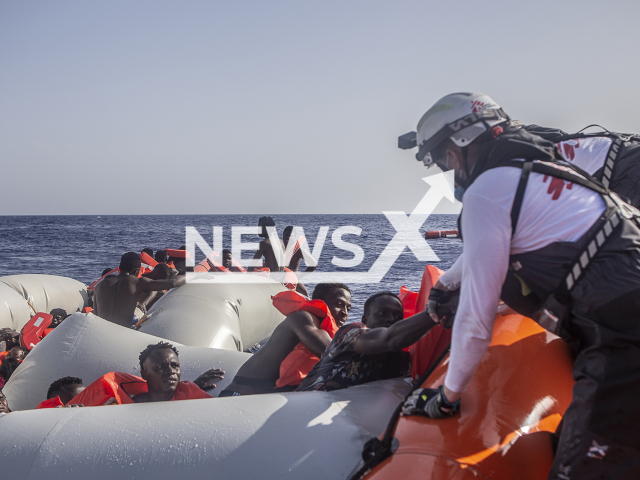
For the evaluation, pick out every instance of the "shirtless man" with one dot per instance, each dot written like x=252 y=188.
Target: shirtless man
x=116 y=296
x=260 y=372
x=296 y=258
x=265 y=249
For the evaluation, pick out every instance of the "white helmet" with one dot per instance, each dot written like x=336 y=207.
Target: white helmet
x=461 y=117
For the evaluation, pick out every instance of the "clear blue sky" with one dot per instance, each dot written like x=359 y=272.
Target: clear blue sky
x=150 y=107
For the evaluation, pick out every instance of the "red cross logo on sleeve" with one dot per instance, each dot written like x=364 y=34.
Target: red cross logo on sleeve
x=556 y=185
x=568 y=149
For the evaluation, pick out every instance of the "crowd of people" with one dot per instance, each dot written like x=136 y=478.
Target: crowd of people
x=313 y=348
x=550 y=227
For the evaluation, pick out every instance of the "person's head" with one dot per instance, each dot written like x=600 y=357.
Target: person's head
x=161 y=256
x=160 y=367
x=9 y=365
x=148 y=251
x=66 y=388
x=59 y=314
x=160 y=272
x=337 y=296
x=130 y=263
x=265 y=222
x=382 y=309
x=455 y=132
x=19 y=353
x=105 y=271
x=4 y=404
x=10 y=337
x=226 y=259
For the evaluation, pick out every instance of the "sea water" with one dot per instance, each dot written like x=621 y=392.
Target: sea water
x=81 y=247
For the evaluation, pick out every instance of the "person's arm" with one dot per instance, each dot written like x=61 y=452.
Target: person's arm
x=147 y=300
x=398 y=336
x=304 y=326
x=487 y=227
x=204 y=380
x=452 y=278
x=148 y=285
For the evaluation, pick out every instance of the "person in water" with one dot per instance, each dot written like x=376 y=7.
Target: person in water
x=260 y=372
x=295 y=254
x=116 y=296
x=370 y=350
x=266 y=249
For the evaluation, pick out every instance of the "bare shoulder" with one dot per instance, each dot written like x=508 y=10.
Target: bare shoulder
x=302 y=317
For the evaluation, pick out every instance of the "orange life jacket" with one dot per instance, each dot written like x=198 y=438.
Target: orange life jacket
x=426 y=350
x=119 y=387
x=295 y=367
x=290 y=279
x=51 y=403
x=178 y=253
x=34 y=329
x=148 y=263
x=2 y=355
x=212 y=263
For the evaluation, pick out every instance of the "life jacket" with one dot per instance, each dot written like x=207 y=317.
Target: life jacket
x=3 y=355
x=546 y=276
x=51 y=403
x=290 y=279
x=617 y=156
x=178 y=253
x=426 y=350
x=295 y=367
x=119 y=388
x=148 y=263
x=34 y=330
x=87 y=310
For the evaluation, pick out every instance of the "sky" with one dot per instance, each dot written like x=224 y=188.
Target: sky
x=211 y=107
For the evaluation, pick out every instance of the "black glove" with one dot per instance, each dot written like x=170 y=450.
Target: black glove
x=444 y=304
x=431 y=403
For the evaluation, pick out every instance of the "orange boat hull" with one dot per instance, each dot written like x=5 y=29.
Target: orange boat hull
x=509 y=412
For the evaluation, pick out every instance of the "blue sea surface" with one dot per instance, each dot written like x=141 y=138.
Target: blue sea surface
x=81 y=247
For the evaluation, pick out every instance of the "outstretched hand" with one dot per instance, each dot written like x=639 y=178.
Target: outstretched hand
x=205 y=381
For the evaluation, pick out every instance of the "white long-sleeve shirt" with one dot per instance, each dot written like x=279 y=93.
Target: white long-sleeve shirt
x=587 y=153
x=552 y=210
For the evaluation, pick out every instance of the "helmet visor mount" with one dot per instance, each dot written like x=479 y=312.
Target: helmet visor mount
x=461 y=132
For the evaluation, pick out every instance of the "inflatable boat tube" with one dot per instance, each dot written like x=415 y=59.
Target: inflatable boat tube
x=231 y=312
x=310 y=435
x=43 y=292
x=87 y=347
x=14 y=310
x=509 y=411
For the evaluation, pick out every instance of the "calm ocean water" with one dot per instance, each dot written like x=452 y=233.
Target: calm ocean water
x=82 y=246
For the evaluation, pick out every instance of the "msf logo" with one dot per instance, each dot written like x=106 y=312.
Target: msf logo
x=407 y=236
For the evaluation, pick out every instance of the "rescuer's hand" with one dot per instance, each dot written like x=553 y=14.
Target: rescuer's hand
x=431 y=403
x=442 y=306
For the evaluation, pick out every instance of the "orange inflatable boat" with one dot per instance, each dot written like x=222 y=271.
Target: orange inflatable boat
x=508 y=414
